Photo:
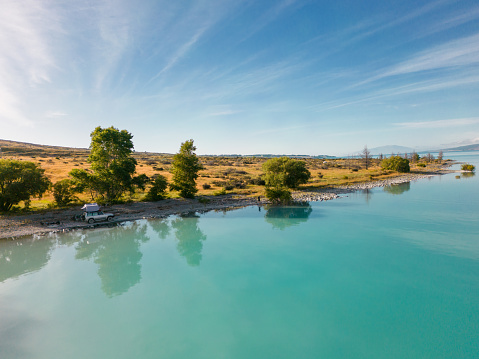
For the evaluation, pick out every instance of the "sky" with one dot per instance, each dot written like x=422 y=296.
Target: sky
x=241 y=76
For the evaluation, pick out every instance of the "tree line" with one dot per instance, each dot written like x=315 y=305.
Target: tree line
x=112 y=173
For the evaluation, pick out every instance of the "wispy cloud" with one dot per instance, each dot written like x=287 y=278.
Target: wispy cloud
x=180 y=52
x=55 y=114
x=436 y=84
x=440 y=123
x=26 y=58
x=269 y=16
x=463 y=52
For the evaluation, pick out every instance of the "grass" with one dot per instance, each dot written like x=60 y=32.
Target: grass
x=218 y=172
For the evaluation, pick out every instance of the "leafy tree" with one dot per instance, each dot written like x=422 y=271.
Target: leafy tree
x=185 y=169
x=282 y=173
x=285 y=172
x=64 y=192
x=157 y=191
x=278 y=194
x=396 y=163
x=111 y=162
x=468 y=167
x=19 y=181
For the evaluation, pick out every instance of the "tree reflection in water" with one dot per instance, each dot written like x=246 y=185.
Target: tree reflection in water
x=190 y=238
x=467 y=174
x=398 y=188
x=117 y=253
x=23 y=256
x=281 y=217
x=161 y=228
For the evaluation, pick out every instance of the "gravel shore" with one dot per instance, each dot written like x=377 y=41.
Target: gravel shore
x=13 y=226
x=325 y=194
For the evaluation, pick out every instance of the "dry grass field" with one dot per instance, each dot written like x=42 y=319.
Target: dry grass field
x=239 y=175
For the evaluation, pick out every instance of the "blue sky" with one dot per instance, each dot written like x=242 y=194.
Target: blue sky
x=285 y=76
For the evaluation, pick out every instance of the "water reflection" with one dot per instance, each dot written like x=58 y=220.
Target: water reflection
x=161 y=228
x=190 y=238
x=23 y=256
x=117 y=253
x=398 y=188
x=281 y=217
x=467 y=174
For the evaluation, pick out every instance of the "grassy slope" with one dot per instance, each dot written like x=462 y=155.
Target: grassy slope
x=58 y=161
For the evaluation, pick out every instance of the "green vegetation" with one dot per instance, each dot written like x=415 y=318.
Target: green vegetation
x=185 y=169
x=19 y=181
x=396 y=163
x=282 y=173
x=64 y=192
x=285 y=172
x=468 y=167
x=157 y=191
x=112 y=164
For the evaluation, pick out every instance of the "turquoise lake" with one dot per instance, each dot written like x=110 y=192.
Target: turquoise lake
x=387 y=273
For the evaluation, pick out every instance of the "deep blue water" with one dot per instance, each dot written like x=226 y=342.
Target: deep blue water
x=385 y=273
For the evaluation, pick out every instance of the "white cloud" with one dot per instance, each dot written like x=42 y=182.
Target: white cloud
x=26 y=58
x=55 y=114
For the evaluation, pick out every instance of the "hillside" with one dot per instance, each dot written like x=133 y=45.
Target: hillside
x=474 y=147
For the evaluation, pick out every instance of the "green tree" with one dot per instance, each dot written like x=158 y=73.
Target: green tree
x=157 y=190
x=64 y=192
x=282 y=173
x=468 y=167
x=285 y=172
x=396 y=163
x=185 y=169
x=111 y=162
x=19 y=181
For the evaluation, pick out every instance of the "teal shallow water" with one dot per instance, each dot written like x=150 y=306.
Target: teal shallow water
x=388 y=273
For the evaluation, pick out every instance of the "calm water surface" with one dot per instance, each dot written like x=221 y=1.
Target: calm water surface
x=387 y=273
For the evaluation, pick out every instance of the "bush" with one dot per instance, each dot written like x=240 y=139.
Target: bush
x=468 y=167
x=278 y=194
x=157 y=191
x=63 y=192
x=206 y=186
x=221 y=192
x=396 y=163
x=421 y=165
x=204 y=200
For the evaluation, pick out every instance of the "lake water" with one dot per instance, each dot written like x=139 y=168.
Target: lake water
x=388 y=273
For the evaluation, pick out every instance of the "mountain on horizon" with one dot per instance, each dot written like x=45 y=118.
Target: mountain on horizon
x=387 y=150
x=474 y=147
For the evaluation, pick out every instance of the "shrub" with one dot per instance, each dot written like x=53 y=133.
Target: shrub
x=278 y=194
x=421 y=165
x=157 y=191
x=221 y=192
x=468 y=167
x=206 y=186
x=396 y=163
x=204 y=200
x=63 y=192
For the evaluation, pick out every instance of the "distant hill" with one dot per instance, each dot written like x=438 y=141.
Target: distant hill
x=31 y=149
x=463 y=148
x=387 y=150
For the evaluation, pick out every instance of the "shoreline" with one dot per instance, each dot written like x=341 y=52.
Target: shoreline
x=60 y=220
